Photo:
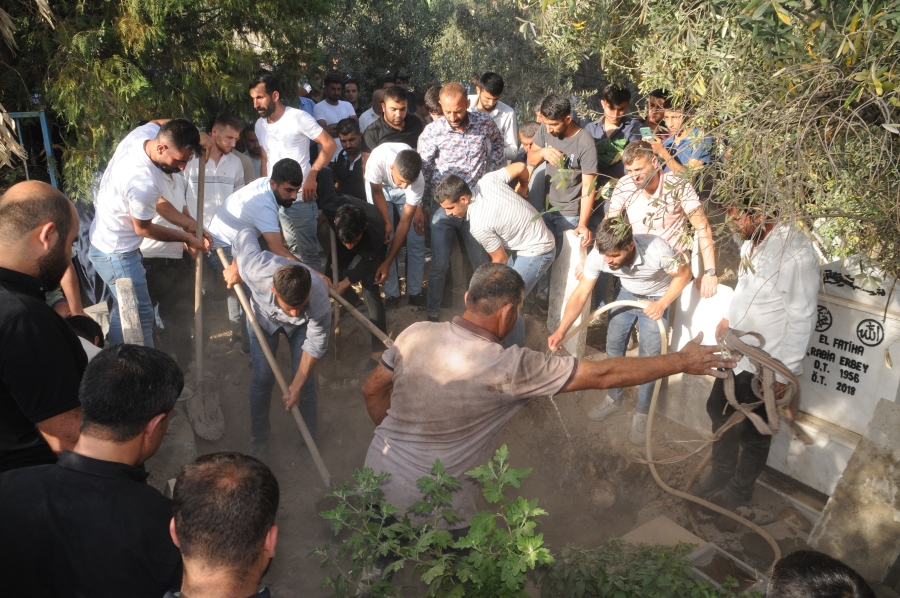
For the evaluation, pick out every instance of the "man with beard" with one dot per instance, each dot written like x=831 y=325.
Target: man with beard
x=287 y=298
x=396 y=125
x=285 y=132
x=130 y=195
x=41 y=358
x=649 y=271
x=487 y=100
x=333 y=109
x=254 y=151
x=348 y=168
x=224 y=523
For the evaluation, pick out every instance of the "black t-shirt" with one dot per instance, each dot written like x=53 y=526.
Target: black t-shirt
x=41 y=364
x=348 y=176
x=371 y=248
x=85 y=527
x=380 y=132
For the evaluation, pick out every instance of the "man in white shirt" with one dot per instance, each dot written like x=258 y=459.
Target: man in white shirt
x=224 y=171
x=777 y=297
x=502 y=222
x=333 y=109
x=374 y=113
x=130 y=195
x=488 y=100
x=394 y=170
x=285 y=132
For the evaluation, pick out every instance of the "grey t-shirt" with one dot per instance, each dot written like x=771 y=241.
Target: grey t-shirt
x=455 y=387
x=651 y=272
x=581 y=155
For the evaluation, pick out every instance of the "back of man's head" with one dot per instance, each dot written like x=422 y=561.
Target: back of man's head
x=292 y=283
x=529 y=129
x=615 y=95
x=810 y=574
x=224 y=506
x=613 y=235
x=350 y=222
x=124 y=387
x=347 y=126
x=287 y=170
x=493 y=286
x=433 y=100
x=637 y=149
x=396 y=94
x=450 y=189
x=181 y=134
x=87 y=328
x=409 y=165
x=556 y=107
x=492 y=83
x=30 y=204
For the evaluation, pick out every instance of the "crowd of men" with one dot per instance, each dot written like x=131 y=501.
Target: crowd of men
x=74 y=434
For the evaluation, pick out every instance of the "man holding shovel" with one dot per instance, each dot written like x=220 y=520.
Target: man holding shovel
x=287 y=297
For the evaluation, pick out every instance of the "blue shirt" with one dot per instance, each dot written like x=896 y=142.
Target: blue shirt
x=695 y=146
x=307 y=105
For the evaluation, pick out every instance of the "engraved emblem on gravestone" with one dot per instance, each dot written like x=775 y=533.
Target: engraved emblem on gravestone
x=823 y=319
x=870 y=332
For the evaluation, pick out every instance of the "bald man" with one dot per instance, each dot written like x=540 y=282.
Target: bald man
x=374 y=113
x=41 y=358
x=469 y=145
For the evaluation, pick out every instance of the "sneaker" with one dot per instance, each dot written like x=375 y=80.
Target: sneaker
x=434 y=318
x=604 y=409
x=418 y=300
x=638 y=434
x=727 y=500
x=186 y=393
x=391 y=303
x=245 y=351
x=708 y=486
x=259 y=449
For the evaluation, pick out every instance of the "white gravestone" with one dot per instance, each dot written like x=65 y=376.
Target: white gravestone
x=562 y=284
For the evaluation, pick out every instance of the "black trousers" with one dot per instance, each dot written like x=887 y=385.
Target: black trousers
x=740 y=455
x=371 y=293
x=170 y=283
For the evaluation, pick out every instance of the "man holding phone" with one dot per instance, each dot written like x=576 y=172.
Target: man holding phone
x=614 y=131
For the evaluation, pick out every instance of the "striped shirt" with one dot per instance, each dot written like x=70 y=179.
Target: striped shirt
x=222 y=180
x=498 y=216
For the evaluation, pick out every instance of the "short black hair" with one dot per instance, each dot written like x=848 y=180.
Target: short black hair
x=529 y=129
x=608 y=239
x=663 y=95
x=346 y=126
x=492 y=83
x=433 y=100
x=493 y=286
x=228 y=120
x=386 y=79
x=182 y=134
x=293 y=284
x=44 y=204
x=396 y=94
x=351 y=81
x=287 y=170
x=224 y=505
x=450 y=189
x=350 y=222
x=614 y=95
x=556 y=106
x=251 y=128
x=333 y=78
x=124 y=387
x=271 y=82
x=811 y=574
x=401 y=76
x=87 y=328
x=409 y=165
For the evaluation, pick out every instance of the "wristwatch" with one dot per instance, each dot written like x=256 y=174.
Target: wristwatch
x=711 y=272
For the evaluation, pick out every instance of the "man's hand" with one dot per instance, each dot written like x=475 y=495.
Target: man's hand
x=342 y=286
x=419 y=221
x=654 y=309
x=554 y=341
x=327 y=280
x=191 y=251
x=293 y=398
x=522 y=190
x=308 y=190
x=704 y=360
x=388 y=230
x=231 y=275
x=585 y=233
x=780 y=388
x=658 y=148
x=207 y=238
x=579 y=271
x=721 y=329
x=203 y=245
x=381 y=273
x=551 y=154
x=707 y=285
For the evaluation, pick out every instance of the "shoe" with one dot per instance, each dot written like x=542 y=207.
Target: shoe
x=418 y=300
x=245 y=351
x=727 y=500
x=708 y=486
x=259 y=449
x=391 y=303
x=638 y=434
x=186 y=393
x=604 y=409
x=434 y=318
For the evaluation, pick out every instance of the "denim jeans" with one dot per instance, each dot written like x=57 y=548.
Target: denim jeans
x=621 y=321
x=299 y=223
x=263 y=380
x=531 y=268
x=170 y=283
x=558 y=225
x=236 y=315
x=415 y=250
x=443 y=229
x=112 y=266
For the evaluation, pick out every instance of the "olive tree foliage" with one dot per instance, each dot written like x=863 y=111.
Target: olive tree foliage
x=101 y=67
x=801 y=94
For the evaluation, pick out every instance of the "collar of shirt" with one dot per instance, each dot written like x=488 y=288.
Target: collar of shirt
x=694 y=135
x=28 y=283
x=106 y=469
x=474 y=120
x=475 y=329
x=597 y=129
x=638 y=259
x=352 y=162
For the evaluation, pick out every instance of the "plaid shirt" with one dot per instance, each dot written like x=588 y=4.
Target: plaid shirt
x=469 y=154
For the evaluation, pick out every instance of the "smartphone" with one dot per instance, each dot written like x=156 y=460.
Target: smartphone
x=647 y=134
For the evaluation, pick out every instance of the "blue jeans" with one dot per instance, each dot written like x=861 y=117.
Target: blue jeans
x=443 y=229
x=621 y=321
x=263 y=379
x=531 y=268
x=236 y=315
x=558 y=225
x=415 y=250
x=111 y=266
x=299 y=223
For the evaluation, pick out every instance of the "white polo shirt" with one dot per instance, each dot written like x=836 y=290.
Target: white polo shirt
x=504 y=117
x=366 y=119
x=222 y=180
x=130 y=187
x=289 y=137
x=254 y=206
x=174 y=193
x=332 y=115
x=499 y=216
x=378 y=171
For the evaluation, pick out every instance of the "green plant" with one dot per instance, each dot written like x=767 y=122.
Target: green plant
x=490 y=561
